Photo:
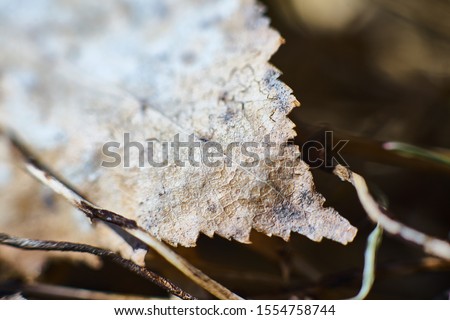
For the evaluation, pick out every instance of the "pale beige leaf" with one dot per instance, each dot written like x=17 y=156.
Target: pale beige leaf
x=76 y=74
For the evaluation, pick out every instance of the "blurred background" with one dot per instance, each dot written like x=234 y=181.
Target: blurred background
x=372 y=71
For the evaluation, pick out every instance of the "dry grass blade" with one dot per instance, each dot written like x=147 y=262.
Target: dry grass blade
x=45 y=176
x=412 y=151
x=30 y=244
x=373 y=242
x=431 y=245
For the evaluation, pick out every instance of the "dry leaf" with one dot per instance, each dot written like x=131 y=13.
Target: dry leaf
x=76 y=74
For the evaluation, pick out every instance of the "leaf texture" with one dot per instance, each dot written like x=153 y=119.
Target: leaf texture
x=76 y=74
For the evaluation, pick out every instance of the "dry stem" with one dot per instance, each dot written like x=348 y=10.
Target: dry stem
x=431 y=245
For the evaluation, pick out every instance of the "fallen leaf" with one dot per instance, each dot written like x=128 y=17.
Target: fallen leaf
x=77 y=74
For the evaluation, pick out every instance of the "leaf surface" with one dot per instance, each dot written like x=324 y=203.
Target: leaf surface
x=77 y=74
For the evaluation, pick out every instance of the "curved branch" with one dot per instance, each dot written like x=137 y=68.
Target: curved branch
x=56 y=184
x=431 y=245
x=31 y=244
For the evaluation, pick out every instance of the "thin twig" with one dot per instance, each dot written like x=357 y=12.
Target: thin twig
x=45 y=176
x=50 y=179
x=31 y=244
x=373 y=242
x=63 y=292
x=373 y=150
x=184 y=266
x=431 y=245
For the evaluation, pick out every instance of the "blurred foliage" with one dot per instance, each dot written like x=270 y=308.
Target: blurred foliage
x=372 y=71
